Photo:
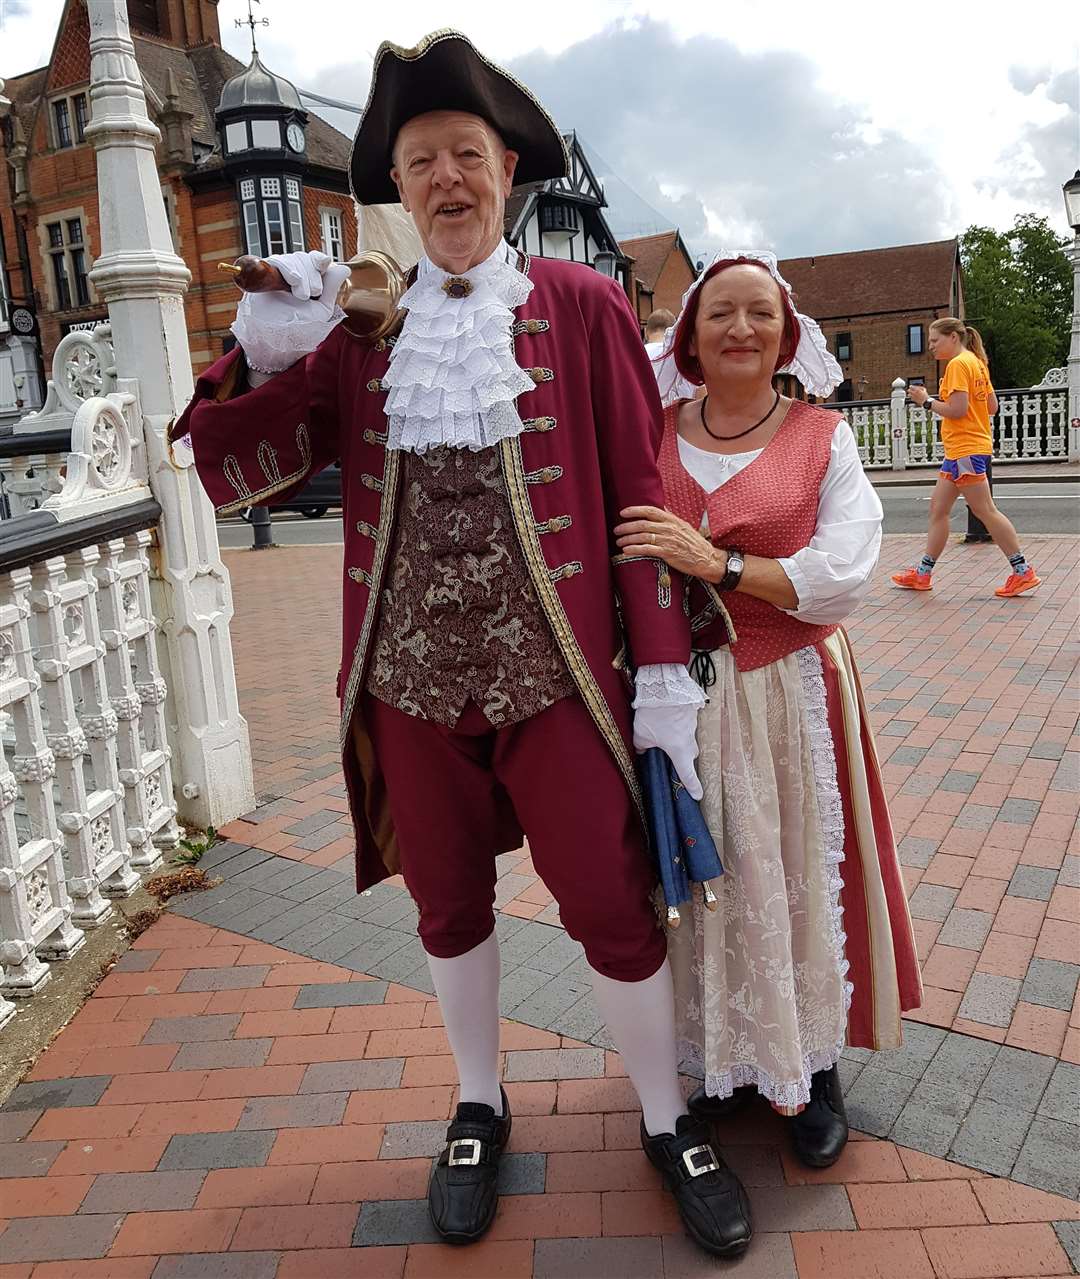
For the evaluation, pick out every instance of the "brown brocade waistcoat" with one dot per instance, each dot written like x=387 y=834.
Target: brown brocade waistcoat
x=459 y=618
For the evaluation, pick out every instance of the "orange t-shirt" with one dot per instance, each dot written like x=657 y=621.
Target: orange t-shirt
x=971 y=434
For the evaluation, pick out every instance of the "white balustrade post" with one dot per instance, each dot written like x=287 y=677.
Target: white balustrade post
x=118 y=605
x=141 y=278
x=35 y=910
x=152 y=691
x=898 y=424
x=1073 y=363
x=108 y=834
x=60 y=623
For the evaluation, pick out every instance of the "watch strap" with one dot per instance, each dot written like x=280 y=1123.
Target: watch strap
x=734 y=572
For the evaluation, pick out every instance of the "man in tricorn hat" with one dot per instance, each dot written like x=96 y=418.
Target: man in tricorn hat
x=486 y=453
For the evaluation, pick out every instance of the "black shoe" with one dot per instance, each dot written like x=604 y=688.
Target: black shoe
x=710 y=1198
x=462 y=1194
x=702 y=1106
x=820 y=1132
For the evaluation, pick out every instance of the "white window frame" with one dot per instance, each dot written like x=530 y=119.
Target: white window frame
x=295 y=215
x=68 y=249
x=274 y=215
x=78 y=138
x=328 y=215
x=252 y=229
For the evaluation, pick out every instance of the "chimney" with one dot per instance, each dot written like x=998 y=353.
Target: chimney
x=189 y=23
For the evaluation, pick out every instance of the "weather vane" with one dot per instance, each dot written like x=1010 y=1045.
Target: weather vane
x=252 y=22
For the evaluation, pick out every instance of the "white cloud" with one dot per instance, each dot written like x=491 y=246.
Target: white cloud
x=963 y=90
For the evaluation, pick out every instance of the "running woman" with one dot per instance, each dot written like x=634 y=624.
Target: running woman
x=965 y=403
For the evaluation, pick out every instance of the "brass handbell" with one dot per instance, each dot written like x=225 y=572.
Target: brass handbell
x=370 y=296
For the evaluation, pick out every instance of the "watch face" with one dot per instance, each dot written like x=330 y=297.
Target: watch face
x=294 y=135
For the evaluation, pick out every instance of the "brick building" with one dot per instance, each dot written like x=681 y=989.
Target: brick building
x=876 y=306
x=662 y=270
x=243 y=168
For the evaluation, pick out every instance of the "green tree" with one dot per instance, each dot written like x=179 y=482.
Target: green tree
x=1018 y=294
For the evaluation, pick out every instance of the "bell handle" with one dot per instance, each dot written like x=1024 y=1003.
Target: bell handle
x=253 y=275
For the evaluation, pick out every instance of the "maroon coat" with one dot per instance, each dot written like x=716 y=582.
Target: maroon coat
x=593 y=428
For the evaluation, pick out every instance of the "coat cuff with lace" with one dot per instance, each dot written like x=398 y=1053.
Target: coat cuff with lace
x=666 y=684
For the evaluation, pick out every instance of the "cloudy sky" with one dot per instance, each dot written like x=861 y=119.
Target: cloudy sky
x=806 y=126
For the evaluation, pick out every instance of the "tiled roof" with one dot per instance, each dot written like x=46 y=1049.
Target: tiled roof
x=909 y=277
x=25 y=92
x=519 y=197
x=650 y=252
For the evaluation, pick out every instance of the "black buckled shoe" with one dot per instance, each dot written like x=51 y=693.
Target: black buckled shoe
x=710 y=1198
x=820 y=1132
x=702 y=1106
x=462 y=1193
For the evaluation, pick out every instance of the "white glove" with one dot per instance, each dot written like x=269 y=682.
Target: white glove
x=276 y=328
x=304 y=273
x=674 y=730
x=666 y=704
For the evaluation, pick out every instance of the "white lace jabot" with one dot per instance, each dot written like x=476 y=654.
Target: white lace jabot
x=453 y=379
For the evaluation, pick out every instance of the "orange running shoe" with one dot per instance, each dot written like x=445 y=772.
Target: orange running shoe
x=1018 y=583
x=912 y=580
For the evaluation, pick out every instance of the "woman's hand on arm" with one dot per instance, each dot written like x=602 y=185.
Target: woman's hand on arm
x=655 y=533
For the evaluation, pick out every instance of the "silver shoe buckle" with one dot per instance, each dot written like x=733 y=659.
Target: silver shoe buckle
x=470 y=1160
x=699 y=1169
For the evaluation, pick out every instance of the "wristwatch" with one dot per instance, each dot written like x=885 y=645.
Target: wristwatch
x=733 y=576
x=928 y=404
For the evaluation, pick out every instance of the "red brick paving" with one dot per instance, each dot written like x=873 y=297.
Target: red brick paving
x=905 y=1214
x=899 y=1213
x=944 y=637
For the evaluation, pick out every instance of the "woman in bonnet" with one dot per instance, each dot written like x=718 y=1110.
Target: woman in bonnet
x=777 y=529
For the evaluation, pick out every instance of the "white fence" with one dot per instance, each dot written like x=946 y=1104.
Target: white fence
x=86 y=787
x=1030 y=426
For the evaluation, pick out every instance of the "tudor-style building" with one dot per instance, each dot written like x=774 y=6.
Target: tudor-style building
x=243 y=168
x=564 y=218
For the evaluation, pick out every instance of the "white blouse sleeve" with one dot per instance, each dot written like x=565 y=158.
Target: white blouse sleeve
x=832 y=575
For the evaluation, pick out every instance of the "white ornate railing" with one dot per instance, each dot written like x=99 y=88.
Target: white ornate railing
x=1030 y=426
x=86 y=793
x=34 y=456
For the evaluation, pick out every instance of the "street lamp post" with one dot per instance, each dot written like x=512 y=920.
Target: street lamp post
x=1071 y=192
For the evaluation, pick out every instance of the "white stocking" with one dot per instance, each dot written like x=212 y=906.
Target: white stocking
x=640 y=1017
x=468 y=991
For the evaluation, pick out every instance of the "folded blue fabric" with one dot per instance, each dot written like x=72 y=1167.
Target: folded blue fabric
x=682 y=847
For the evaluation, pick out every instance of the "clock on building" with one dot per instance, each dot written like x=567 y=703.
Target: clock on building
x=22 y=320
x=294 y=135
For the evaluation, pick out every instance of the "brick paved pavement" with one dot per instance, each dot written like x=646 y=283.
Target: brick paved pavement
x=974 y=701
x=256 y=1090
x=226 y=1108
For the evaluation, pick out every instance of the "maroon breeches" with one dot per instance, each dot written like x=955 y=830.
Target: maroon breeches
x=448 y=790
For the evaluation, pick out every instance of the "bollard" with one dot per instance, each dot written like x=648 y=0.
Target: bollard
x=976 y=529
x=260 y=527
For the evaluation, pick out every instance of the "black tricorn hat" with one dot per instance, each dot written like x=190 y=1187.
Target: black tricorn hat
x=445 y=72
